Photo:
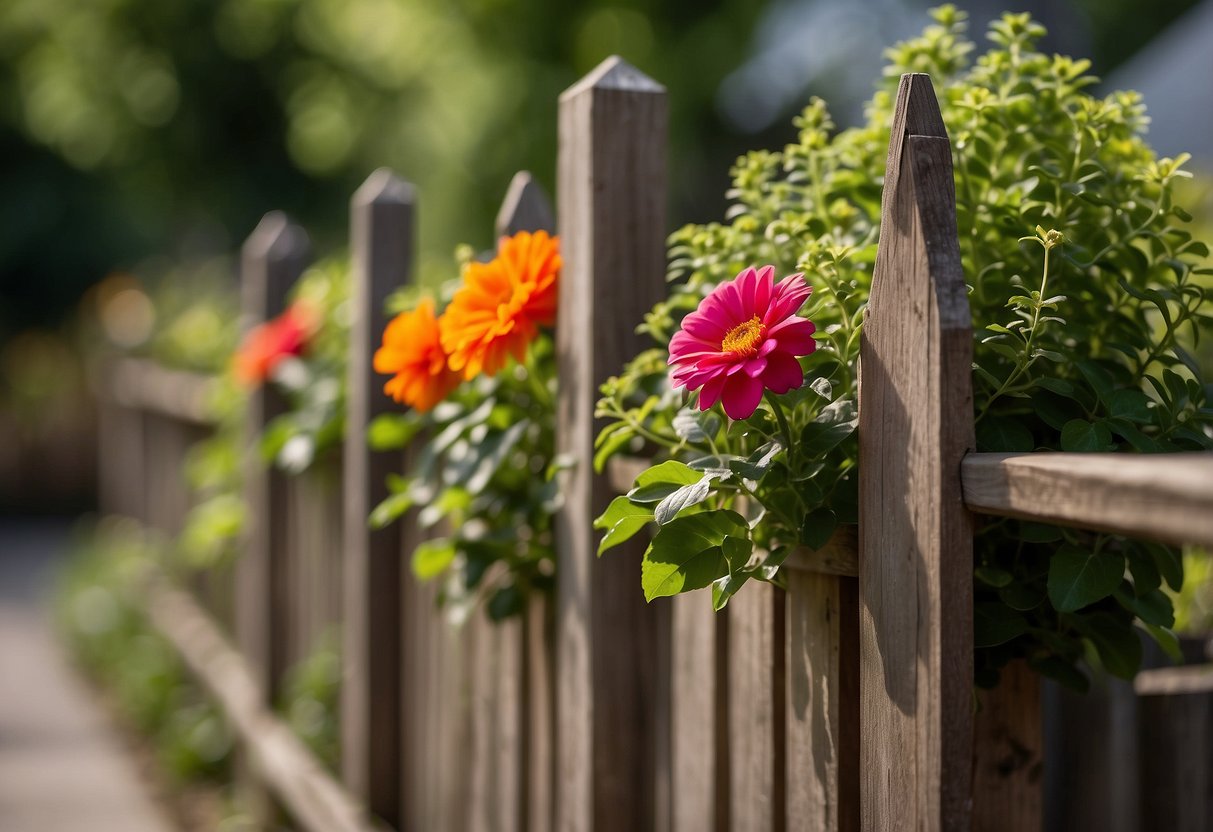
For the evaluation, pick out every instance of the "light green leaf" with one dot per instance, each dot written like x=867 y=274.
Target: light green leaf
x=622 y=520
x=684 y=497
x=660 y=481
x=392 y=431
x=995 y=624
x=431 y=558
x=384 y=514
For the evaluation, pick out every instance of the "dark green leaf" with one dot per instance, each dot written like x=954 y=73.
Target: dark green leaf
x=817 y=527
x=1116 y=642
x=1078 y=577
x=1003 y=434
x=687 y=552
x=1153 y=607
x=1080 y=435
x=995 y=624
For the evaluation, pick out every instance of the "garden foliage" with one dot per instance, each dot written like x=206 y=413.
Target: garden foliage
x=1087 y=295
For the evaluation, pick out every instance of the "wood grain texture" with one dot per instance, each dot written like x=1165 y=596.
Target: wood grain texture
x=756 y=714
x=1164 y=497
x=839 y=555
x=1008 y=754
x=1175 y=760
x=612 y=221
x=915 y=536
x=699 y=723
x=272 y=260
x=312 y=796
x=822 y=703
x=382 y=229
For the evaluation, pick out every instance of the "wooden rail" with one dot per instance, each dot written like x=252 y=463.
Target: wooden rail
x=1166 y=498
x=313 y=797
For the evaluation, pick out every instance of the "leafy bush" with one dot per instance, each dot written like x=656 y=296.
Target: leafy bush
x=1083 y=335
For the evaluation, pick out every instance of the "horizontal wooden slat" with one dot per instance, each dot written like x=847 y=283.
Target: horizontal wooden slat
x=142 y=384
x=1168 y=498
x=1170 y=681
x=311 y=795
x=839 y=555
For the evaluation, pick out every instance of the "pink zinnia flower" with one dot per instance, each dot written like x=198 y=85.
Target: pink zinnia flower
x=743 y=339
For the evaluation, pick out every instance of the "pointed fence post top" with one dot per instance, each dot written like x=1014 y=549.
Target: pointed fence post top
x=272 y=259
x=384 y=187
x=277 y=238
x=526 y=207
x=614 y=73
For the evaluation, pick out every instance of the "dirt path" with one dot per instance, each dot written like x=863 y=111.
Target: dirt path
x=62 y=767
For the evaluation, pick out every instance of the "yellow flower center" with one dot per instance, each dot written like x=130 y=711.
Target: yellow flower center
x=743 y=339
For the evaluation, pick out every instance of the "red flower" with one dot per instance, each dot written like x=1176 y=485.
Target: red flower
x=266 y=345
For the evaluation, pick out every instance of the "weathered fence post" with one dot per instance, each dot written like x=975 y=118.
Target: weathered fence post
x=915 y=535
x=611 y=699
x=382 y=246
x=271 y=261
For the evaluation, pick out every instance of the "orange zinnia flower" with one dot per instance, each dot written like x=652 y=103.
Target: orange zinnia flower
x=412 y=351
x=502 y=304
x=267 y=344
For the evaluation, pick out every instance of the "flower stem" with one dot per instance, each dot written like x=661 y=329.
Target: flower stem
x=782 y=419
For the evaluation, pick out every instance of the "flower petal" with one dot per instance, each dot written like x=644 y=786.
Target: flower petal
x=741 y=396
x=783 y=373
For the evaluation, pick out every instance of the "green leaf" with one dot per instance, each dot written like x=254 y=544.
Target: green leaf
x=993 y=576
x=432 y=558
x=817 y=527
x=384 y=514
x=611 y=441
x=684 y=497
x=1081 y=435
x=756 y=465
x=493 y=452
x=1153 y=607
x=694 y=425
x=1167 y=640
x=1129 y=404
x=995 y=624
x=1003 y=434
x=726 y=587
x=1021 y=597
x=687 y=553
x=392 y=431
x=660 y=481
x=1116 y=642
x=622 y=520
x=1078 y=577
x=1169 y=563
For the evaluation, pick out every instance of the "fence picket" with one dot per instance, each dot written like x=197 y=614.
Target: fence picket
x=272 y=259
x=915 y=535
x=612 y=217
x=381 y=229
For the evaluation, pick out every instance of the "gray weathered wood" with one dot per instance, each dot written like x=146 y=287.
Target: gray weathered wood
x=839 y=555
x=281 y=759
x=915 y=536
x=1165 y=497
x=756 y=710
x=699 y=723
x=1008 y=754
x=382 y=222
x=612 y=222
x=526 y=207
x=272 y=260
x=1175 y=754
x=822 y=702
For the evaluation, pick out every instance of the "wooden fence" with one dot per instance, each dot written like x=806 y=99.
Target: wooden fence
x=842 y=703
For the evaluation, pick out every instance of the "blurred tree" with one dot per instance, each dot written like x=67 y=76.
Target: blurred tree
x=137 y=126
